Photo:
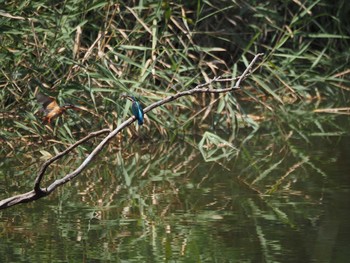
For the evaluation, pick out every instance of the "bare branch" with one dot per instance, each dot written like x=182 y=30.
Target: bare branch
x=61 y=154
x=39 y=192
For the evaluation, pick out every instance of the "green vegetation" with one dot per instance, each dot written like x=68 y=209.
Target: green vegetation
x=90 y=52
x=260 y=175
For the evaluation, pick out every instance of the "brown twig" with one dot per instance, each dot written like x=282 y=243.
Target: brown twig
x=39 y=192
x=61 y=154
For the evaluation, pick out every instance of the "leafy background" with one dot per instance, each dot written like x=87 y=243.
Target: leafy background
x=89 y=53
x=276 y=137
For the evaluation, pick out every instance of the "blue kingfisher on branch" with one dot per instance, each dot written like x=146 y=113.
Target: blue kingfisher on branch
x=136 y=108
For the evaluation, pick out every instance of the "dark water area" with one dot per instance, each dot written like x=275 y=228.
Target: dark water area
x=181 y=209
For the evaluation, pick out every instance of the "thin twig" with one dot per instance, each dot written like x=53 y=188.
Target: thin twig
x=61 y=154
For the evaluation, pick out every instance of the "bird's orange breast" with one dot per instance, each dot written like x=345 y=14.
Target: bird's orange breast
x=52 y=111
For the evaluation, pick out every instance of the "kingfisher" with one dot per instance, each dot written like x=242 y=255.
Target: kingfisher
x=136 y=108
x=51 y=108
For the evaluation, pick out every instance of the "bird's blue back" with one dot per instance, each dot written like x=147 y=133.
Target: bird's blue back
x=137 y=111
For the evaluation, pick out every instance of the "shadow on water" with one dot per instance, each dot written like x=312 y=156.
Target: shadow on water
x=144 y=206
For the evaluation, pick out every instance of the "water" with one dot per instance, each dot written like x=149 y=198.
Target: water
x=155 y=208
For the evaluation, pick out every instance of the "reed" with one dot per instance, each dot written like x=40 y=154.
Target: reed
x=88 y=53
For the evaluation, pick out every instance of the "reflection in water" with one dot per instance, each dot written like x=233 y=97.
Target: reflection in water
x=150 y=207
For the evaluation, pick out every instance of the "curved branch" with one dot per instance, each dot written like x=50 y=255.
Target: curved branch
x=39 y=192
x=61 y=154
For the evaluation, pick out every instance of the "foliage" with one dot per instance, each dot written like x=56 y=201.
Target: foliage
x=90 y=52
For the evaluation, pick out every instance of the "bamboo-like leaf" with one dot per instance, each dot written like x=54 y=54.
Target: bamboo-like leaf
x=214 y=148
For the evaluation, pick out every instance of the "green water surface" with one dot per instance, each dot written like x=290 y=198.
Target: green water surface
x=145 y=208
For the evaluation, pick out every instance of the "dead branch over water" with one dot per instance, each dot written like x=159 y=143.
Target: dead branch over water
x=39 y=192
